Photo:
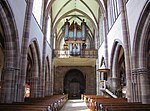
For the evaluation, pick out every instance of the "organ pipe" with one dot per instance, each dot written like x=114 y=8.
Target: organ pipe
x=75 y=31
x=83 y=28
x=66 y=30
x=75 y=37
x=70 y=48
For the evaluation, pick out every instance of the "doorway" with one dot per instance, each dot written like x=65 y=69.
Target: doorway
x=74 y=84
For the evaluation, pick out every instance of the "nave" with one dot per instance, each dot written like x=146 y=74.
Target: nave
x=75 y=105
x=86 y=103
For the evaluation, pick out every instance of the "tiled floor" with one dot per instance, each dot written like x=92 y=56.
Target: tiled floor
x=75 y=105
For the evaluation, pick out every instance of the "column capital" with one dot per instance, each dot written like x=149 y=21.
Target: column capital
x=10 y=68
x=141 y=71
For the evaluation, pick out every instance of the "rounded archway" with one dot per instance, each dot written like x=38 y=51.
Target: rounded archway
x=9 y=54
x=74 y=83
x=140 y=58
x=33 y=71
x=118 y=77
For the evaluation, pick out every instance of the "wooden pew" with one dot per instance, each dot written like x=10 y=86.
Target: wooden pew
x=126 y=106
x=86 y=98
x=53 y=103
x=93 y=100
x=16 y=108
x=97 y=103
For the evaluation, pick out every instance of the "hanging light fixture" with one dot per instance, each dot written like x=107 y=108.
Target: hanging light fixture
x=103 y=68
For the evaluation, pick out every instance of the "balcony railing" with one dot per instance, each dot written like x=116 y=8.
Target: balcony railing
x=86 y=53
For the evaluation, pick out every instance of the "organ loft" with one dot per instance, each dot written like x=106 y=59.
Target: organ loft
x=75 y=37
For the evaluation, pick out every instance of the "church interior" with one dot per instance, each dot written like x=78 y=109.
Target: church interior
x=60 y=50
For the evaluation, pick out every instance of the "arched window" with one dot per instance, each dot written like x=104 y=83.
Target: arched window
x=113 y=11
x=49 y=30
x=37 y=11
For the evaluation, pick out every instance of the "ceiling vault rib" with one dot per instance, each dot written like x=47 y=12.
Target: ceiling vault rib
x=50 y=5
x=54 y=25
x=74 y=15
x=90 y=11
x=86 y=15
x=63 y=16
x=60 y=10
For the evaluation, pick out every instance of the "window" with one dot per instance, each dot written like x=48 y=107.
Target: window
x=49 y=30
x=37 y=11
x=113 y=11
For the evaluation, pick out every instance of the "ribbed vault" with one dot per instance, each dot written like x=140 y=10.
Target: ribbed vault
x=75 y=10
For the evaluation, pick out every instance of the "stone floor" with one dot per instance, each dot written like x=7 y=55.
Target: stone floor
x=75 y=105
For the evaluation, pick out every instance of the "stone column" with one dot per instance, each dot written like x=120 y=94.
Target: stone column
x=8 y=81
x=98 y=79
x=145 y=84
x=115 y=80
x=11 y=53
x=49 y=86
x=24 y=50
x=52 y=81
x=136 y=87
x=105 y=41
x=42 y=79
x=46 y=79
x=33 y=87
x=126 y=48
x=34 y=74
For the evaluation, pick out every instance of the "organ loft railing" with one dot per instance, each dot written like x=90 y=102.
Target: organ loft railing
x=76 y=43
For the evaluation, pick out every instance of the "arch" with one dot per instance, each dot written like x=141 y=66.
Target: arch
x=39 y=61
x=11 y=53
x=74 y=83
x=89 y=34
x=50 y=3
x=101 y=5
x=118 y=74
x=33 y=72
x=47 y=77
x=141 y=37
x=36 y=49
x=100 y=2
x=1 y=52
x=48 y=11
x=54 y=25
x=140 y=57
x=116 y=42
x=32 y=76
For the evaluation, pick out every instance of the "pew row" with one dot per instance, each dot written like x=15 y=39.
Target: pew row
x=51 y=103
x=98 y=103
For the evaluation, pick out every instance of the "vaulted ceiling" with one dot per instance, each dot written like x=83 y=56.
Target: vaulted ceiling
x=75 y=10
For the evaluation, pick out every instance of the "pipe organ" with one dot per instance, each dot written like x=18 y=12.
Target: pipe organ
x=75 y=37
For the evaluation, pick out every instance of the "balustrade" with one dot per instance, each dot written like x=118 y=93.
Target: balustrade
x=86 y=53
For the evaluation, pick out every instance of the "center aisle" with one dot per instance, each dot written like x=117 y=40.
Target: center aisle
x=75 y=105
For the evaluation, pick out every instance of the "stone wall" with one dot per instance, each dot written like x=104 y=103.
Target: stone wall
x=88 y=73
